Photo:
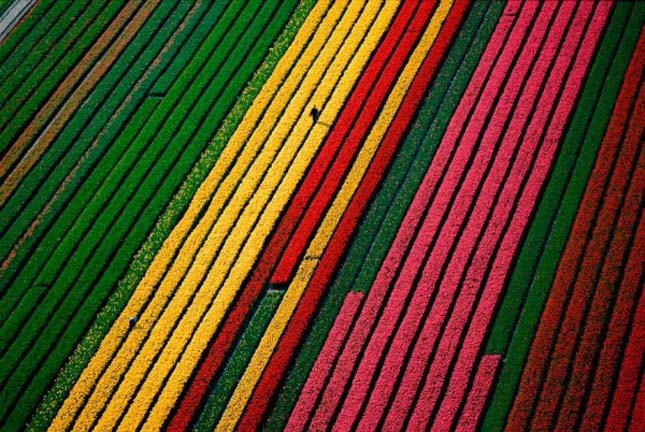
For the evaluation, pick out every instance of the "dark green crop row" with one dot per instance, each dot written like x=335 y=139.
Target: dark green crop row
x=50 y=163
x=43 y=16
x=152 y=49
x=164 y=224
x=28 y=90
x=35 y=194
x=238 y=361
x=44 y=51
x=379 y=224
x=533 y=274
x=105 y=225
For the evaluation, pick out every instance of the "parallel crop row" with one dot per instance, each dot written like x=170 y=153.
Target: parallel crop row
x=546 y=237
x=81 y=270
x=174 y=310
x=326 y=248
x=413 y=158
x=31 y=88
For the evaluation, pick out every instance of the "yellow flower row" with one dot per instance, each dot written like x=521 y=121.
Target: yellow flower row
x=120 y=329
x=248 y=199
x=252 y=243
x=206 y=292
x=306 y=269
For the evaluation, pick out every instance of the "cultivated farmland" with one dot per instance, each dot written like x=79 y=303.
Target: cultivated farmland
x=313 y=214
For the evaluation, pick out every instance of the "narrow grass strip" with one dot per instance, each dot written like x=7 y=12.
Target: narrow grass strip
x=295 y=291
x=548 y=256
x=238 y=360
x=162 y=230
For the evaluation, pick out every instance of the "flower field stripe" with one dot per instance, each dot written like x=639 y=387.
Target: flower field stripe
x=601 y=248
x=251 y=211
x=237 y=362
x=319 y=186
x=628 y=393
x=578 y=382
x=548 y=233
x=336 y=385
x=306 y=305
x=602 y=387
x=482 y=383
x=156 y=269
x=534 y=369
x=93 y=130
x=450 y=270
x=55 y=50
x=314 y=341
x=521 y=210
x=324 y=362
x=222 y=301
x=637 y=419
x=199 y=305
x=322 y=215
x=260 y=275
x=629 y=387
x=118 y=299
x=582 y=349
x=43 y=134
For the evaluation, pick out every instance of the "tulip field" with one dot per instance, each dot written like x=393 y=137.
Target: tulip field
x=308 y=215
